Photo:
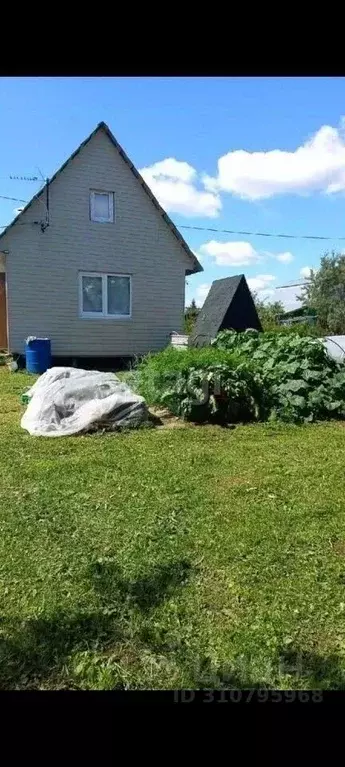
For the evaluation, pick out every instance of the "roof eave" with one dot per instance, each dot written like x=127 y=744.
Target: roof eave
x=197 y=268
x=196 y=264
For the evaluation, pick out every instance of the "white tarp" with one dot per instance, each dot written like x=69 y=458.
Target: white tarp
x=335 y=346
x=67 y=401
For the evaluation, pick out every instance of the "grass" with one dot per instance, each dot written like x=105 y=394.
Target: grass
x=189 y=557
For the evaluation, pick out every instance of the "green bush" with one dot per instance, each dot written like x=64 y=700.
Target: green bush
x=304 y=329
x=244 y=377
x=200 y=384
x=283 y=342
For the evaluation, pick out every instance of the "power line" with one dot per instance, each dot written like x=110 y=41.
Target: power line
x=259 y=234
x=18 y=199
x=14 y=199
x=220 y=231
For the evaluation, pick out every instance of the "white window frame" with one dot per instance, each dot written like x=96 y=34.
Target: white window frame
x=104 y=314
x=101 y=219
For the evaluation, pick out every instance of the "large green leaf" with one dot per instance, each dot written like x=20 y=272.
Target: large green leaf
x=297 y=401
x=243 y=377
x=294 y=385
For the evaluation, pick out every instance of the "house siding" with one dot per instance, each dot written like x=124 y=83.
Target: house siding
x=42 y=268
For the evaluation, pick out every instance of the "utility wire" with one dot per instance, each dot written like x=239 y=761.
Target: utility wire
x=18 y=199
x=259 y=234
x=220 y=231
x=14 y=199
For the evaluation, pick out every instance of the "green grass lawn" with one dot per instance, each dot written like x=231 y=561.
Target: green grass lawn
x=192 y=557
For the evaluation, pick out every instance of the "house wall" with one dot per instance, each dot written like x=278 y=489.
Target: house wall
x=42 y=268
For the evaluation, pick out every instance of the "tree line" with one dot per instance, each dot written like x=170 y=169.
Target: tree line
x=323 y=297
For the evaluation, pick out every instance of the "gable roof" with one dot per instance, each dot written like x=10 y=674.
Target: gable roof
x=104 y=127
x=229 y=304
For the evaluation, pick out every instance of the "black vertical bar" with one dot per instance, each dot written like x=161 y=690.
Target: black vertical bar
x=47 y=190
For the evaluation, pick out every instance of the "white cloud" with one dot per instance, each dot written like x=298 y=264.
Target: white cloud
x=265 y=295
x=316 y=165
x=174 y=184
x=239 y=253
x=305 y=271
x=231 y=253
x=285 y=258
x=261 y=282
x=201 y=293
x=288 y=296
x=171 y=168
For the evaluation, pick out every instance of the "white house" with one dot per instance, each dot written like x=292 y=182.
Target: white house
x=93 y=262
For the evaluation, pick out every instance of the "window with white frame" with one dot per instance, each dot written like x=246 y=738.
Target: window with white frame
x=105 y=295
x=102 y=207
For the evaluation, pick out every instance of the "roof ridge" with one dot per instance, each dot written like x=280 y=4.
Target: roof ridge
x=103 y=126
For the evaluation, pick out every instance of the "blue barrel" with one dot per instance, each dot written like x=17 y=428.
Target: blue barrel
x=38 y=355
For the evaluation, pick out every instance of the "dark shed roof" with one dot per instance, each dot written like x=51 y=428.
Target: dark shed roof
x=228 y=305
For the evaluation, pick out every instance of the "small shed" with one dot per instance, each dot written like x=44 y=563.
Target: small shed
x=229 y=305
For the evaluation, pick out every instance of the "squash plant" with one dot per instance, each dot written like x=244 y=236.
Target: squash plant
x=245 y=377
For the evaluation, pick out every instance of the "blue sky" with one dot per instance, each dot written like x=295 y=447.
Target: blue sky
x=253 y=154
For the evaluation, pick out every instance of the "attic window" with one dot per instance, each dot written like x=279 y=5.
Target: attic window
x=102 y=207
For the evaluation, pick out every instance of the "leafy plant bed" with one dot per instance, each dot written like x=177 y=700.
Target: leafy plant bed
x=244 y=377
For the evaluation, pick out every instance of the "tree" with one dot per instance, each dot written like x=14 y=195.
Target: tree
x=190 y=316
x=268 y=312
x=325 y=293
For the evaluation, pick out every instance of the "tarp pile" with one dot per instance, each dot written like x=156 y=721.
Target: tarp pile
x=66 y=401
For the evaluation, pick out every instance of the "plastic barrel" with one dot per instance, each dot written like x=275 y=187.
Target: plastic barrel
x=38 y=355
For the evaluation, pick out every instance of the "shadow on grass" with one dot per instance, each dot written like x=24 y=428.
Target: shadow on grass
x=327 y=672
x=144 y=593
x=36 y=653
x=38 y=649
